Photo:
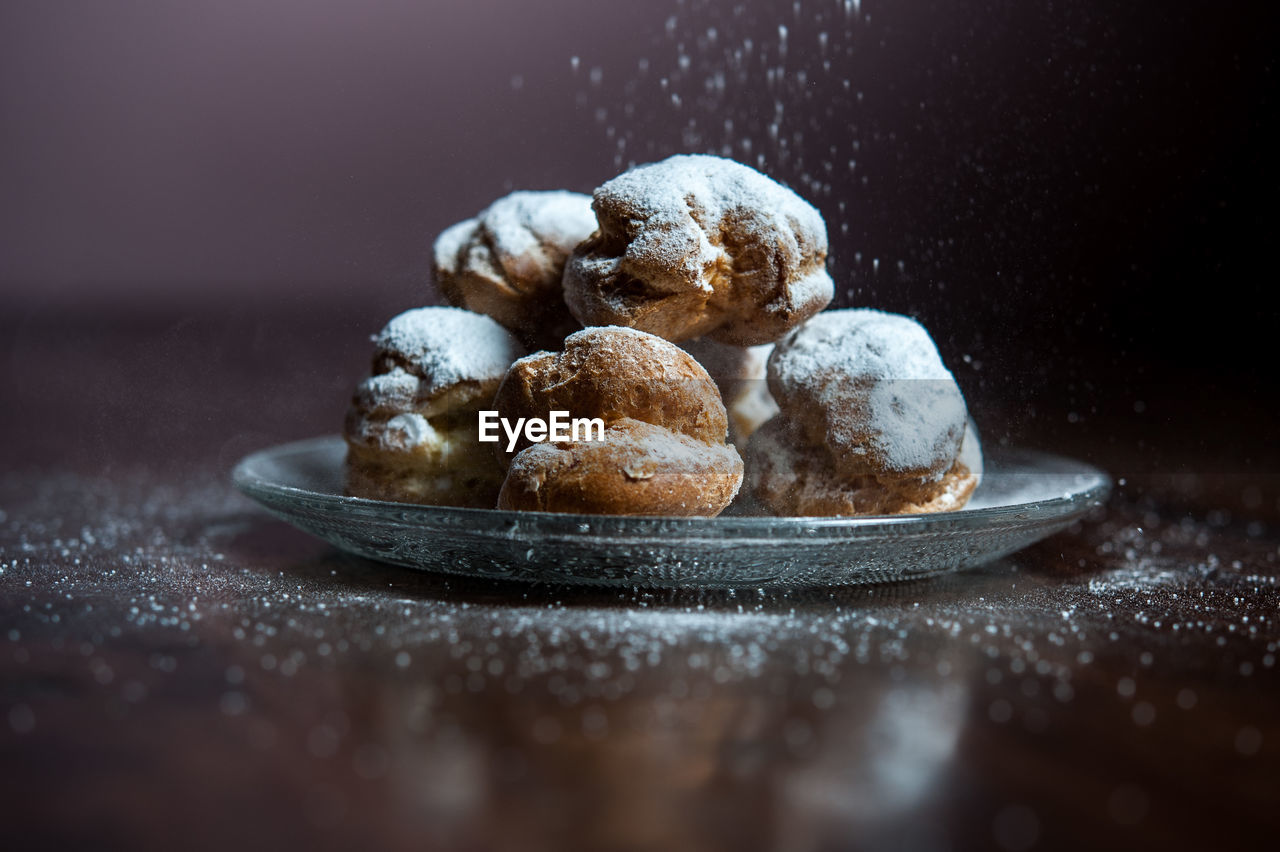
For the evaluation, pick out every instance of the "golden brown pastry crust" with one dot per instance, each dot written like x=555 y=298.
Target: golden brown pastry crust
x=663 y=452
x=615 y=373
x=508 y=262
x=700 y=245
x=638 y=469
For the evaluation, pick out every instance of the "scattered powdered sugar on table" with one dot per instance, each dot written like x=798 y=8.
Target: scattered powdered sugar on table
x=448 y=345
x=134 y=598
x=86 y=561
x=135 y=604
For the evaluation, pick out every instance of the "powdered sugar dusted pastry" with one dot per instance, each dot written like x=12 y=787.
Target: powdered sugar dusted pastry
x=508 y=261
x=791 y=477
x=871 y=421
x=411 y=430
x=699 y=245
x=663 y=449
x=739 y=373
x=871 y=387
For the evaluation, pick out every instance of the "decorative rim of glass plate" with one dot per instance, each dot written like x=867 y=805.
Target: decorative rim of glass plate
x=1024 y=496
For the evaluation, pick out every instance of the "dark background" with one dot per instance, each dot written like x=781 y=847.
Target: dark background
x=1076 y=197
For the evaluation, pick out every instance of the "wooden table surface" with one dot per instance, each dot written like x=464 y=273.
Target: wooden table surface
x=179 y=669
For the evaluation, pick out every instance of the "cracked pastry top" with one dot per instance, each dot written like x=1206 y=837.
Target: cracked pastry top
x=507 y=262
x=695 y=246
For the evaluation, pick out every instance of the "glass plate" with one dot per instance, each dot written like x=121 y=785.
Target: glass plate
x=1024 y=497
